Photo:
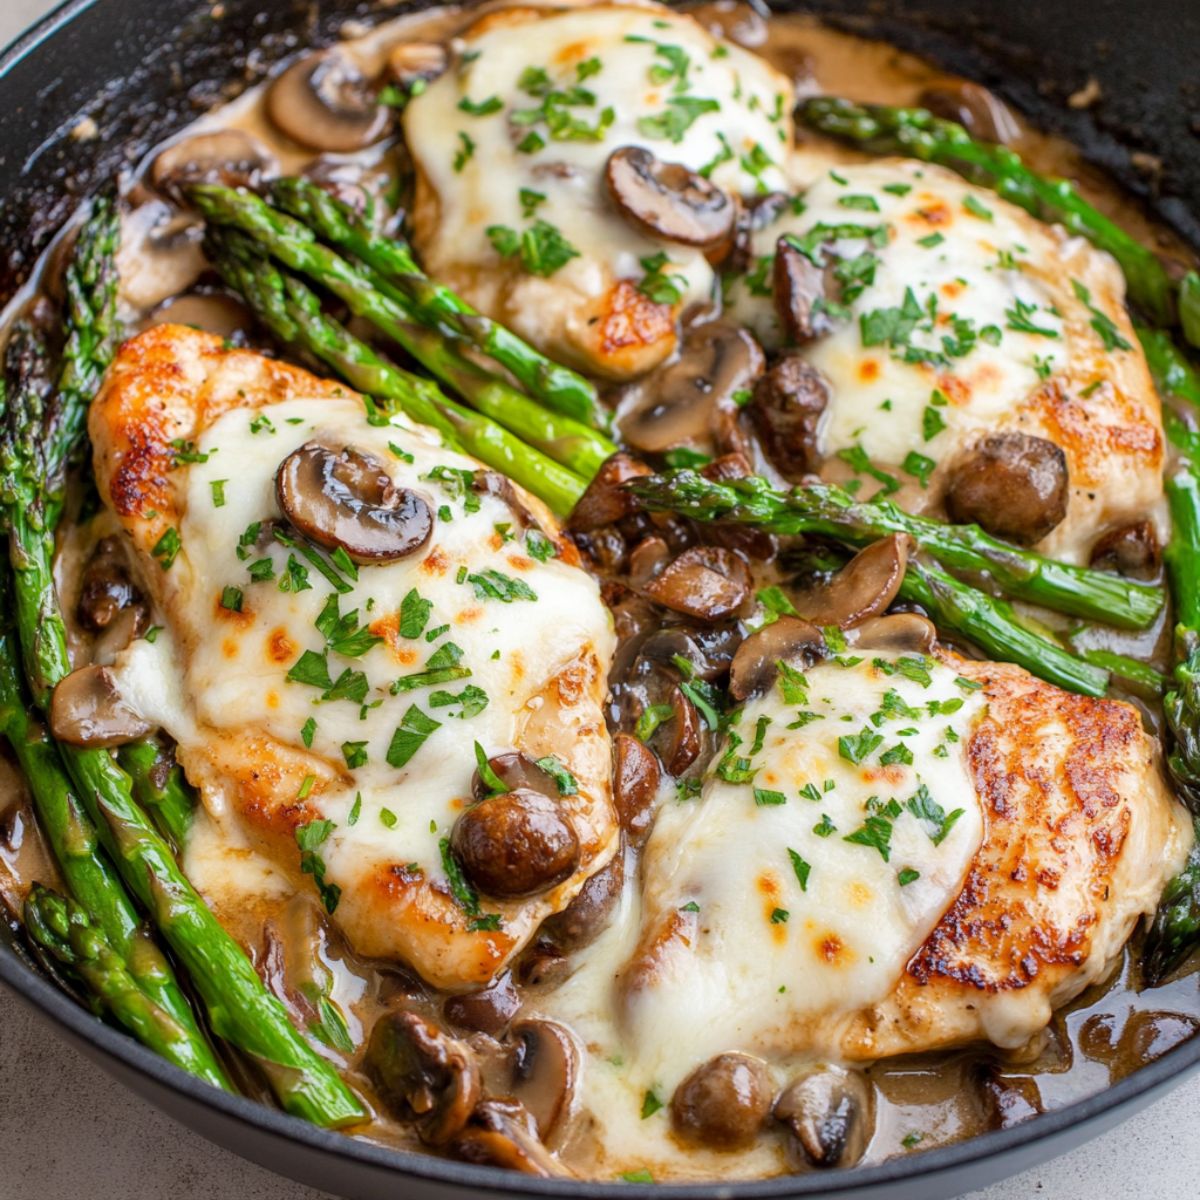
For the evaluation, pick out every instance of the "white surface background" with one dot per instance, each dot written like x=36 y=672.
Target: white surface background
x=69 y=1132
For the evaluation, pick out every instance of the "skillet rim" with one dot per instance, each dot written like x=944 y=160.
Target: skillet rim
x=53 y=1003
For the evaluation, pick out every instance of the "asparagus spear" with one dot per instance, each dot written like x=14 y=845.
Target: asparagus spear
x=71 y=837
x=1175 y=931
x=917 y=133
x=832 y=512
x=993 y=626
x=292 y=312
x=564 y=439
x=159 y=787
x=400 y=277
x=65 y=931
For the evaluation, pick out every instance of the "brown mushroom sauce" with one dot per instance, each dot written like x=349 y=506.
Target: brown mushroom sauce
x=485 y=1075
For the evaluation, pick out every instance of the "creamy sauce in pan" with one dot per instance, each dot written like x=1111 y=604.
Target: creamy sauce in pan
x=920 y=1102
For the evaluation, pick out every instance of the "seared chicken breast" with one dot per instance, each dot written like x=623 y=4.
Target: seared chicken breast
x=331 y=708
x=896 y=853
x=941 y=318
x=515 y=208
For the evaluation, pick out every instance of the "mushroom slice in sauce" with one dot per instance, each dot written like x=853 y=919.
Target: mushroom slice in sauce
x=635 y=786
x=667 y=200
x=86 y=709
x=905 y=633
x=708 y=583
x=1132 y=550
x=680 y=403
x=228 y=156
x=583 y=920
x=606 y=501
x=756 y=663
x=545 y=1070
x=797 y=284
x=723 y=1103
x=488 y=1010
x=324 y=102
x=862 y=589
x=515 y=844
x=348 y=499
x=424 y=1075
x=831 y=1113
x=1012 y=484
x=501 y=1134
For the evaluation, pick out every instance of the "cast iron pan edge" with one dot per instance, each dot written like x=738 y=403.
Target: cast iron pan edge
x=349 y=1166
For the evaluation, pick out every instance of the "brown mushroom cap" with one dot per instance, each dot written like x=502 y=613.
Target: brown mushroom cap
x=86 y=709
x=545 y=1071
x=488 y=1010
x=708 y=583
x=667 y=200
x=683 y=747
x=797 y=283
x=982 y=114
x=1012 y=484
x=424 y=1075
x=228 y=156
x=606 y=501
x=581 y=922
x=756 y=663
x=831 y=1113
x=1132 y=550
x=515 y=844
x=905 y=633
x=683 y=401
x=106 y=587
x=635 y=786
x=348 y=499
x=324 y=102
x=786 y=409
x=723 y=1103
x=862 y=589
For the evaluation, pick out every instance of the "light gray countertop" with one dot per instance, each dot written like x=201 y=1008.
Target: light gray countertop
x=69 y=1131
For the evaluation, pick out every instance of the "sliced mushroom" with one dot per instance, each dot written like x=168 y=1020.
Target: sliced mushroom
x=862 y=589
x=501 y=1134
x=753 y=217
x=227 y=156
x=756 y=663
x=488 y=1010
x=1012 y=484
x=905 y=633
x=682 y=402
x=683 y=747
x=797 y=284
x=545 y=1070
x=982 y=114
x=424 y=1075
x=1008 y=1099
x=667 y=200
x=1131 y=550
x=635 y=786
x=410 y=63
x=646 y=559
x=581 y=922
x=514 y=844
x=347 y=499
x=606 y=501
x=516 y=771
x=86 y=709
x=324 y=102
x=724 y=1103
x=786 y=409
x=106 y=587
x=831 y=1113
x=707 y=583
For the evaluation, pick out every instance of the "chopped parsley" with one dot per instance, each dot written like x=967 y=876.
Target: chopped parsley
x=855 y=747
x=676 y=119
x=541 y=248
x=231 y=598
x=167 y=548
x=310 y=838
x=491 y=584
x=217 y=486
x=801 y=868
x=410 y=736
x=443 y=666
x=1110 y=335
x=875 y=832
x=566 y=783
x=414 y=614
x=355 y=754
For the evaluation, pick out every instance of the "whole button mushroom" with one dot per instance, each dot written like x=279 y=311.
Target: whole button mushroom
x=724 y=1103
x=667 y=200
x=786 y=410
x=324 y=102
x=515 y=844
x=1012 y=484
x=347 y=499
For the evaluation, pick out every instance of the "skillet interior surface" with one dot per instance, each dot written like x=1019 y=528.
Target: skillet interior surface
x=141 y=69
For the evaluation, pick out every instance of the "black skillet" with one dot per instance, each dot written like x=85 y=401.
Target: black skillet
x=143 y=68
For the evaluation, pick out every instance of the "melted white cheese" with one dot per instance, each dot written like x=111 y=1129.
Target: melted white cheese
x=816 y=861
x=233 y=677
x=632 y=66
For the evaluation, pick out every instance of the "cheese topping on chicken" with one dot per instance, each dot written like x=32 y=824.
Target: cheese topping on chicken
x=333 y=709
x=896 y=853
x=511 y=147
x=948 y=313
